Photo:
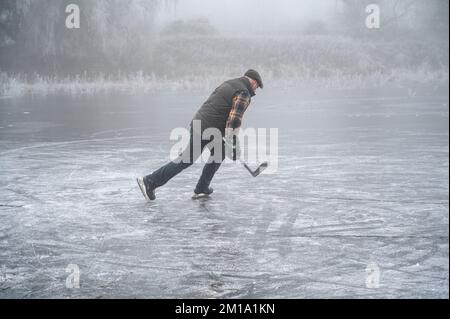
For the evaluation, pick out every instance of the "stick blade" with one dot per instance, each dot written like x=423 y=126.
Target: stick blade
x=259 y=170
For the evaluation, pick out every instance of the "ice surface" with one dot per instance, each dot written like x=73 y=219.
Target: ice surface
x=362 y=180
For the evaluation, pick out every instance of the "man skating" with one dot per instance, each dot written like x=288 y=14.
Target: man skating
x=223 y=110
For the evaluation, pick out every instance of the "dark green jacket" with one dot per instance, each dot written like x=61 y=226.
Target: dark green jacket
x=214 y=112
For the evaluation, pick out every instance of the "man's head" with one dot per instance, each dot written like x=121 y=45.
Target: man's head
x=254 y=78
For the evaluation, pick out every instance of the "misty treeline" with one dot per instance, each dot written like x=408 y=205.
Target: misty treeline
x=33 y=34
x=120 y=37
x=398 y=17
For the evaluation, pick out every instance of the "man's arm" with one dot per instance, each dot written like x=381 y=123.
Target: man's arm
x=240 y=103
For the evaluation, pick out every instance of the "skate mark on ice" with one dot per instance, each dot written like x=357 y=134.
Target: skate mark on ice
x=57 y=145
x=96 y=134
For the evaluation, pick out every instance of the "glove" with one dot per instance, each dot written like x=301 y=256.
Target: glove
x=232 y=147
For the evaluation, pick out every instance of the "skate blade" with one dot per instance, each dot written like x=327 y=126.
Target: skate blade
x=140 y=182
x=200 y=196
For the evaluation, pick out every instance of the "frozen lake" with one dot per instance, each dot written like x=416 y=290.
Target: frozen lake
x=362 y=183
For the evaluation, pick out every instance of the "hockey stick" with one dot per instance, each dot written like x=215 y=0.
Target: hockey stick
x=257 y=171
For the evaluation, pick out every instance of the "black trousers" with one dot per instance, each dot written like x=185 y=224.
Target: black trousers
x=161 y=176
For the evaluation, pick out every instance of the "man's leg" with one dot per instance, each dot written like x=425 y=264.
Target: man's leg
x=161 y=176
x=209 y=170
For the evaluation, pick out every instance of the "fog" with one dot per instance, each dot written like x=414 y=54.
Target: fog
x=252 y=16
x=356 y=207
x=155 y=41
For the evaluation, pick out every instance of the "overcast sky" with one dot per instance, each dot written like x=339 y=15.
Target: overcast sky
x=231 y=15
